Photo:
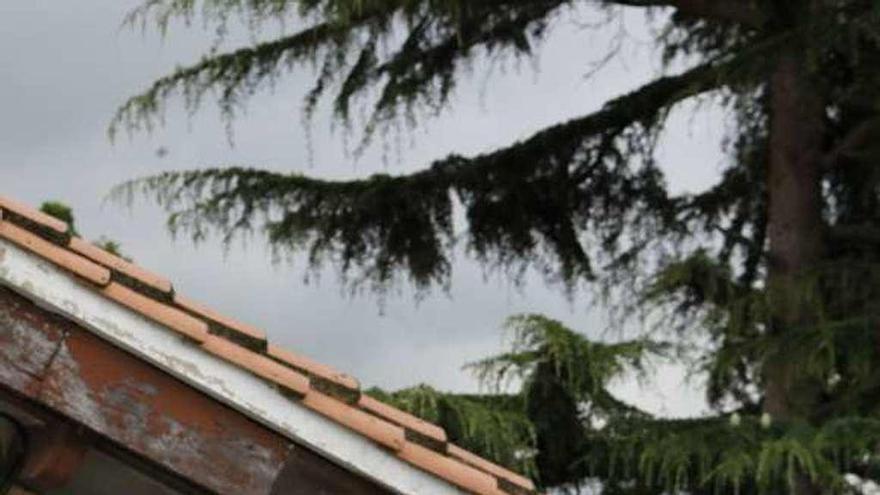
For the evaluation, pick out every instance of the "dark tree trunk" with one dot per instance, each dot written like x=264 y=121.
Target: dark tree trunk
x=794 y=218
x=794 y=230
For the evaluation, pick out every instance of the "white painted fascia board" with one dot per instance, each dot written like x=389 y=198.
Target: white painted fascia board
x=60 y=292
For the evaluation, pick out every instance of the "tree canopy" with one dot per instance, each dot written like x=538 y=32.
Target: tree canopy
x=770 y=275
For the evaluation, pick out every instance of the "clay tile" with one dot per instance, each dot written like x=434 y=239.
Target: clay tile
x=457 y=473
x=60 y=256
x=489 y=467
x=379 y=431
x=111 y=261
x=161 y=313
x=313 y=367
x=257 y=364
x=34 y=215
x=402 y=418
x=209 y=314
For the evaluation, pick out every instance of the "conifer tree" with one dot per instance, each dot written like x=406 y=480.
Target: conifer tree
x=771 y=273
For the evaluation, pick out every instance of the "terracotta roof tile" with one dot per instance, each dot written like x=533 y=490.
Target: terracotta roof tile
x=313 y=367
x=34 y=215
x=367 y=425
x=258 y=364
x=402 y=418
x=244 y=330
x=246 y=346
x=489 y=467
x=460 y=474
x=58 y=255
x=120 y=265
x=173 y=318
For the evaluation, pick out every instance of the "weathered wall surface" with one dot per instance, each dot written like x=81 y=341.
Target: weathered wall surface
x=29 y=340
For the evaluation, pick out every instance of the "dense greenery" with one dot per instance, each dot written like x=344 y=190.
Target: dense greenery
x=766 y=282
x=561 y=381
x=564 y=425
x=63 y=212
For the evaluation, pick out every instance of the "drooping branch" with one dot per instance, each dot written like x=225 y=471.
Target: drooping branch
x=422 y=58
x=234 y=73
x=863 y=135
x=561 y=191
x=641 y=104
x=421 y=70
x=741 y=11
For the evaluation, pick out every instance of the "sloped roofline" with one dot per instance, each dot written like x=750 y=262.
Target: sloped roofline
x=235 y=363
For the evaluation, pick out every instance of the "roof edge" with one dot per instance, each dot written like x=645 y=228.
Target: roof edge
x=319 y=387
x=58 y=291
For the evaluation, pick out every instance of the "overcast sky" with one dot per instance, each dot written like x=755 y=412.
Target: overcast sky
x=65 y=66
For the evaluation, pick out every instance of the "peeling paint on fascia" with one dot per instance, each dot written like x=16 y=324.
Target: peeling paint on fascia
x=118 y=331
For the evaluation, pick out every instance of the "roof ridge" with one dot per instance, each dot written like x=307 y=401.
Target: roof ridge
x=319 y=387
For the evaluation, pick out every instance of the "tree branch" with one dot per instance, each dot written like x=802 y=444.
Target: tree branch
x=632 y=107
x=540 y=195
x=744 y=12
x=865 y=133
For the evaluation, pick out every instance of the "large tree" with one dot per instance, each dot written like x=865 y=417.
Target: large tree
x=770 y=274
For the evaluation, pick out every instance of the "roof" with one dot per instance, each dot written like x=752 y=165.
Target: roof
x=318 y=387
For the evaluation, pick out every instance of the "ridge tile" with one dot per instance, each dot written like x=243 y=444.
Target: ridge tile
x=52 y=252
x=459 y=474
x=114 y=262
x=34 y=215
x=382 y=432
x=257 y=364
x=402 y=418
x=313 y=367
x=489 y=467
x=168 y=316
x=255 y=337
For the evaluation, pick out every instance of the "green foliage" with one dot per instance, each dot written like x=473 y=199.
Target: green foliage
x=581 y=201
x=564 y=425
x=586 y=367
x=64 y=213
x=418 y=71
x=112 y=247
x=528 y=205
x=548 y=363
x=60 y=211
